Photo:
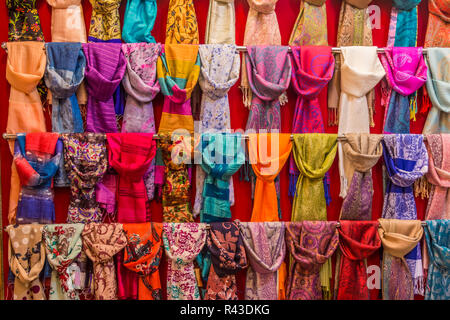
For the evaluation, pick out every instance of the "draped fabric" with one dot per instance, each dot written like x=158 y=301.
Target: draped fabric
x=361 y=153
x=63 y=245
x=181 y=24
x=24 y=22
x=101 y=241
x=265 y=249
x=403 y=25
x=358 y=240
x=143 y=256
x=310 y=28
x=105 y=21
x=26 y=257
x=311 y=244
x=221 y=21
x=182 y=243
x=268 y=152
x=139 y=19
x=437 y=239
x=67 y=22
x=105 y=67
x=226 y=246
x=438 y=28
x=438 y=88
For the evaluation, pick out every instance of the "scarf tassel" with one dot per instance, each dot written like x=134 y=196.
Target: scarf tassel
x=413 y=106
x=332 y=117
x=246 y=96
x=426 y=103
x=419 y=285
x=422 y=188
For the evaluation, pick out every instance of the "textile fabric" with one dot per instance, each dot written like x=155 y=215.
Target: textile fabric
x=139 y=19
x=438 y=28
x=220 y=23
x=310 y=28
x=105 y=21
x=67 y=22
x=181 y=24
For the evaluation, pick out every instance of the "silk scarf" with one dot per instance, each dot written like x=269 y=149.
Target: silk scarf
x=181 y=24
x=438 y=28
x=310 y=28
x=403 y=25
x=67 y=23
x=105 y=21
x=24 y=22
x=220 y=23
x=139 y=19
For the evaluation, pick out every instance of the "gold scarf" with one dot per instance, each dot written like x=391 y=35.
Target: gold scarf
x=181 y=24
x=310 y=28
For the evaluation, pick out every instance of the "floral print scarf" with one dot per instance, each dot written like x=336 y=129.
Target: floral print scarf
x=105 y=21
x=438 y=29
x=24 y=22
x=181 y=24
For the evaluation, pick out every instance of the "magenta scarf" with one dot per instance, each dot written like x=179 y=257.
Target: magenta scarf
x=105 y=67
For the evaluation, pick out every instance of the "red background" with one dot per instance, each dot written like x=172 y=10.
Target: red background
x=287 y=11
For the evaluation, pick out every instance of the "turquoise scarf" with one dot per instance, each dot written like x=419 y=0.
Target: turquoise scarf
x=403 y=26
x=139 y=20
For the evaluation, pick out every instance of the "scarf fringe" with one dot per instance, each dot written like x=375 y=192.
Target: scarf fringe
x=371 y=114
x=419 y=285
x=413 y=106
x=422 y=188
x=283 y=98
x=246 y=96
x=332 y=117
x=293 y=178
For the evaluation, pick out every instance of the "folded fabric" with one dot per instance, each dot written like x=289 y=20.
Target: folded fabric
x=438 y=28
x=181 y=26
x=138 y=22
x=24 y=22
x=310 y=28
x=105 y=21
x=220 y=23
x=403 y=25
x=67 y=23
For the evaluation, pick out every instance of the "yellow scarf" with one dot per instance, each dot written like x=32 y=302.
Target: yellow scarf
x=181 y=22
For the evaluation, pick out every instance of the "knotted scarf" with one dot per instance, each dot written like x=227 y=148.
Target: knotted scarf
x=358 y=240
x=142 y=256
x=101 y=241
x=398 y=237
x=438 y=29
x=139 y=19
x=268 y=152
x=403 y=26
x=225 y=244
x=220 y=23
x=105 y=67
x=311 y=244
x=437 y=238
x=181 y=24
x=24 y=22
x=310 y=28
x=67 y=21
x=182 y=243
x=26 y=256
x=105 y=21
x=361 y=153
x=406 y=72
x=63 y=245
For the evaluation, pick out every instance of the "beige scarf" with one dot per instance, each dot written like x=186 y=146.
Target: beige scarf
x=220 y=22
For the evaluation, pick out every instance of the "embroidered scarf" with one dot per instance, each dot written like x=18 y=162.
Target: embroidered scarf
x=24 y=22
x=358 y=240
x=139 y=19
x=26 y=256
x=438 y=29
x=437 y=238
x=63 y=245
x=143 y=256
x=406 y=72
x=403 y=26
x=182 y=243
x=105 y=21
x=181 y=24
x=101 y=241
x=398 y=237
x=220 y=22
x=64 y=11
x=310 y=28
x=361 y=153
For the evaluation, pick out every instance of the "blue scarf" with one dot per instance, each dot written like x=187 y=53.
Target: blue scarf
x=139 y=20
x=403 y=26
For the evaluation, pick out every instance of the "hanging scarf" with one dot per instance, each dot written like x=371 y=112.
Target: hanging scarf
x=63 y=245
x=268 y=152
x=403 y=26
x=37 y=157
x=437 y=238
x=26 y=256
x=406 y=72
x=310 y=28
x=361 y=153
x=181 y=24
x=139 y=19
x=438 y=88
x=24 y=22
x=143 y=256
x=311 y=244
x=438 y=29
x=182 y=243
x=67 y=21
x=105 y=67
x=358 y=240
x=85 y=160
x=227 y=250
x=101 y=241
x=398 y=237
x=220 y=23
x=219 y=72
x=105 y=21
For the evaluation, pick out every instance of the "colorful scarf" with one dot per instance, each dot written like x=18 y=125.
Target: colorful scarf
x=403 y=26
x=398 y=237
x=220 y=23
x=228 y=256
x=139 y=19
x=101 y=241
x=406 y=72
x=310 y=28
x=311 y=244
x=67 y=21
x=24 y=22
x=358 y=240
x=268 y=152
x=37 y=157
x=361 y=152
x=437 y=238
x=26 y=256
x=143 y=256
x=438 y=88
x=182 y=243
x=438 y=29
x=63 y=245
x=85 y=160
x=181 y=24
x=105 y=21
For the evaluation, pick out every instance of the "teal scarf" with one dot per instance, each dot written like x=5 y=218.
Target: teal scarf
x=139 y=20
x=403 y=26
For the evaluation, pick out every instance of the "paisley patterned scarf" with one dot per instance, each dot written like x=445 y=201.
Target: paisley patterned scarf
x=220 y=24
x=358 y=240
x=181 y=24
x=139 y=19
x=24 y=22
x=63 y=245
x=398 y=237
x=101 y=241
x=403 y=26
x=438 y=29
x=182 y=243
x=361 y=152
x=105 y=21
x=311 y=244
x=310 y=28
x=227 y=250
x=67 y=21
x=406 y=72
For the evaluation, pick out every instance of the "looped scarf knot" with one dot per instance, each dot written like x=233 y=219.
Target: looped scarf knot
x=263 y=6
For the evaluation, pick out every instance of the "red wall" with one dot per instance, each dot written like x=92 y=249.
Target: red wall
x=287 y=11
